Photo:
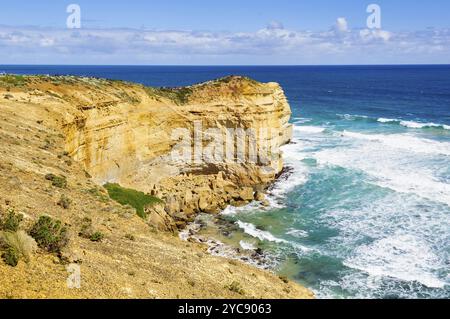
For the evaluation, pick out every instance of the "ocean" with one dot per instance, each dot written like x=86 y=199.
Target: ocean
x=365 y=209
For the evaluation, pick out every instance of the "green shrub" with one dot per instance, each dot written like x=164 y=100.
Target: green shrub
x=178 y=95
x=57 y=181
x=136 y=199
x=97 y=236
x=11 y=257
x=12 y=80
x=49 y=234
x=11 y=221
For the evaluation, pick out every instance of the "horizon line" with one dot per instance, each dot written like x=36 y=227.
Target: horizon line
x=233 y=65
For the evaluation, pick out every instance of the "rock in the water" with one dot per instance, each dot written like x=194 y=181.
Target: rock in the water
x=260 y=196
x=246 y=194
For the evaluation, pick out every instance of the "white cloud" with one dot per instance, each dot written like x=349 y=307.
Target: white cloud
x=342 y=25
x=271 y=45
x=375 y=34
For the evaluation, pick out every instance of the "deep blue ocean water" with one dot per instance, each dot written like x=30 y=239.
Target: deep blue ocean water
x=366 y=211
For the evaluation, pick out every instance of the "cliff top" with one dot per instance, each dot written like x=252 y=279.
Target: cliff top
x=230 y=87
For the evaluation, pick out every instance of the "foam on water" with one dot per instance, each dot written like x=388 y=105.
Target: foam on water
x=406 y=123
x=413 y=124
x=246 y=245
x=392 y=242
x=383 y=157
x=404 y=257
x=397 y=240
x=405 y=141
x=301 y=120
x=262 y=235
x=293 y=154
x=297 y=233
x=309 y=129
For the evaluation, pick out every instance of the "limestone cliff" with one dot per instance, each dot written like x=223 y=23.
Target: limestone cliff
x=133 y=135
x=120 y=132
x=124 y=133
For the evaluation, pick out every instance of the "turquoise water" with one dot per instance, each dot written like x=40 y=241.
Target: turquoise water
x=365 y=212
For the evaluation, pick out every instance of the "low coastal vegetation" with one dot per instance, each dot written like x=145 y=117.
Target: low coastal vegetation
x=87 y=231
x=49 y=234
x=14 y=243
x=57 y=181
x=12 y=80
x=179 y=95
x=136 y=199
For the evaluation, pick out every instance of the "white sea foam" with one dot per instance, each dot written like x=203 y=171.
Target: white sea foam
x=297 y=233
x=404 y=257
x=385 y=120
x=400 y=171
x=301 y=120
x=405 y=141
x=293 y=154
x=413 y=124
x=246 y=245
x=353 y=117
x=309 y=129
x=262 y=235
x=232 y=210
x=395 y=236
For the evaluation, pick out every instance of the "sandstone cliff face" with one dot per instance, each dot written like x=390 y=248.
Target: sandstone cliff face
x=198 y=148
x=129 y=138
x=45 y=123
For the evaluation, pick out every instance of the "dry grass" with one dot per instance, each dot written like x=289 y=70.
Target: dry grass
x=20 y=242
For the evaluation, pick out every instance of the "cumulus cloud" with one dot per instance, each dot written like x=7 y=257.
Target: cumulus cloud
x=272 y=45
x=342 y=25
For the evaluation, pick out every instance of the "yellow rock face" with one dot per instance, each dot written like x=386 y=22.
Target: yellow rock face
x=127 y=133
x=122 y=132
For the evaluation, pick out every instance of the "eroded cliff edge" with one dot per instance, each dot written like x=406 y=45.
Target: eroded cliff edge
x=93 y=131
x=133 y=136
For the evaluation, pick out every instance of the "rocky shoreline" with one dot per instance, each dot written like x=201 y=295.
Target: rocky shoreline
x=248 y=254
x=187 y=196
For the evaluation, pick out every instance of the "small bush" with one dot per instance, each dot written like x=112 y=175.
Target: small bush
x=11 y=257
x=11 y=221
x=178 y=95
x=97 y=237
x=57 y=181
x=64 y=202
x=22 y=244
x=49 y=234
x=12 y=80
x=130 y=237
x=235 y=287
x=86 y=230
x=136 y=199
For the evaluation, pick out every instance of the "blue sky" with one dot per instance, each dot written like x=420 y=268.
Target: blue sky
x=224 y=32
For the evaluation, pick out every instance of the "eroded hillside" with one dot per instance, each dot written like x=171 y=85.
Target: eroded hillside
x=89 y=132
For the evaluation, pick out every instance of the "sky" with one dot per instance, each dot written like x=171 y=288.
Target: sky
x=200 y=32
